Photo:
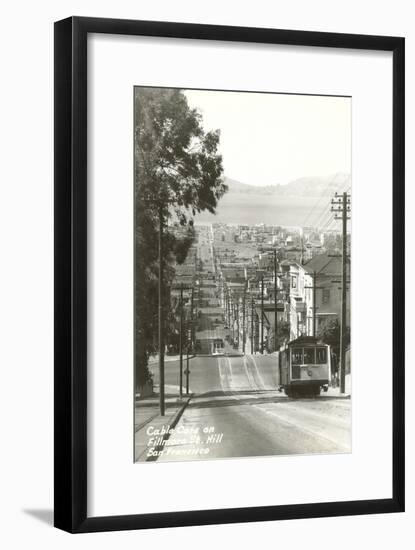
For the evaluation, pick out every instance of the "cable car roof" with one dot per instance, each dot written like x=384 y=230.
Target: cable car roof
x=306 y=341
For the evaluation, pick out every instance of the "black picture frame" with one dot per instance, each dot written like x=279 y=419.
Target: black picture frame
x=70 y=173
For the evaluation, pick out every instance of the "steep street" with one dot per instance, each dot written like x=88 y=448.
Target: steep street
x=237 y=397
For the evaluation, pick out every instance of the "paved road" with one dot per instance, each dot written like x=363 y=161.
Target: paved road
x=237 y=411
x=237 y=397
x=219 y=374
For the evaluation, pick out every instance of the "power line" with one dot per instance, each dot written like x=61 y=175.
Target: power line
x=319 y=199
x=327 y=222
x=323 y=214
x=322 y=197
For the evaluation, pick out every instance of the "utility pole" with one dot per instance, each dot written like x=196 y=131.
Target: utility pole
x=342 y=207
x=189 y=340
x=229 y=306
x=302 y=248
x=192 y=323
x=229 y=309
x=225 y=303
x=237 y=322
x=230 y=325
x=314 y=287
x=187 y=376
x=187 y=372
x=182 y=339
x=243 y=321
x=262 y=315
x=181 y=342
x=234 y=319
x=276 y=303
x=252 y=326
x=314 y=302
x=161 y=320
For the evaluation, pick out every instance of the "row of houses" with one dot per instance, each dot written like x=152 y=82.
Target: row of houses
x=307 y=297
x=315 y=294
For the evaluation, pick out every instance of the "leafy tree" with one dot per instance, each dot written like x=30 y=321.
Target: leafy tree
x=283 y=335
x=329 y=332
x=178 y=173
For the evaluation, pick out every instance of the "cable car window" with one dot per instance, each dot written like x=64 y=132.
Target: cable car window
x=321 y=356
x=309 y=356
x=297 y=356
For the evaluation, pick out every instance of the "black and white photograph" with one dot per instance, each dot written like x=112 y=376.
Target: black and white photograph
x=206 y=279
x=242 y=277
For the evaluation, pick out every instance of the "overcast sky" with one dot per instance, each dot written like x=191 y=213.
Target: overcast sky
x=276 y=138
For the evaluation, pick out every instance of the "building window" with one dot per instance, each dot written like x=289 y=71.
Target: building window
x=326 y=295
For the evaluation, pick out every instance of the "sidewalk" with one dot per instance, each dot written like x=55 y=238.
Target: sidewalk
x=336 y=391
x=147 y=413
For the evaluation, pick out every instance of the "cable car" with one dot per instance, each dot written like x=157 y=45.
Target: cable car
x=304 y=367
x=218 y=346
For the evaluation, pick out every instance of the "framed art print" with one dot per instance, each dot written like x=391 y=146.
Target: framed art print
x=224 y=337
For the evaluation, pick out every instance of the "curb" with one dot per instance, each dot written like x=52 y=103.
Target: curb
x=170 y=360
x=172 y=424
x=140 y=426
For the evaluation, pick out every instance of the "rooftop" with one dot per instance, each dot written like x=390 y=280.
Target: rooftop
x=324 y=264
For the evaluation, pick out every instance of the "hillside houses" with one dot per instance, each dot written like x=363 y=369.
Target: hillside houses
x=239 y=290
x=324 y=273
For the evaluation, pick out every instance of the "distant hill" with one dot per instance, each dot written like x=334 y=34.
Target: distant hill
x=314 y=186
x=305 y=200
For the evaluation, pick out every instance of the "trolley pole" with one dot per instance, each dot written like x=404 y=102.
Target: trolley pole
x=161 y=320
